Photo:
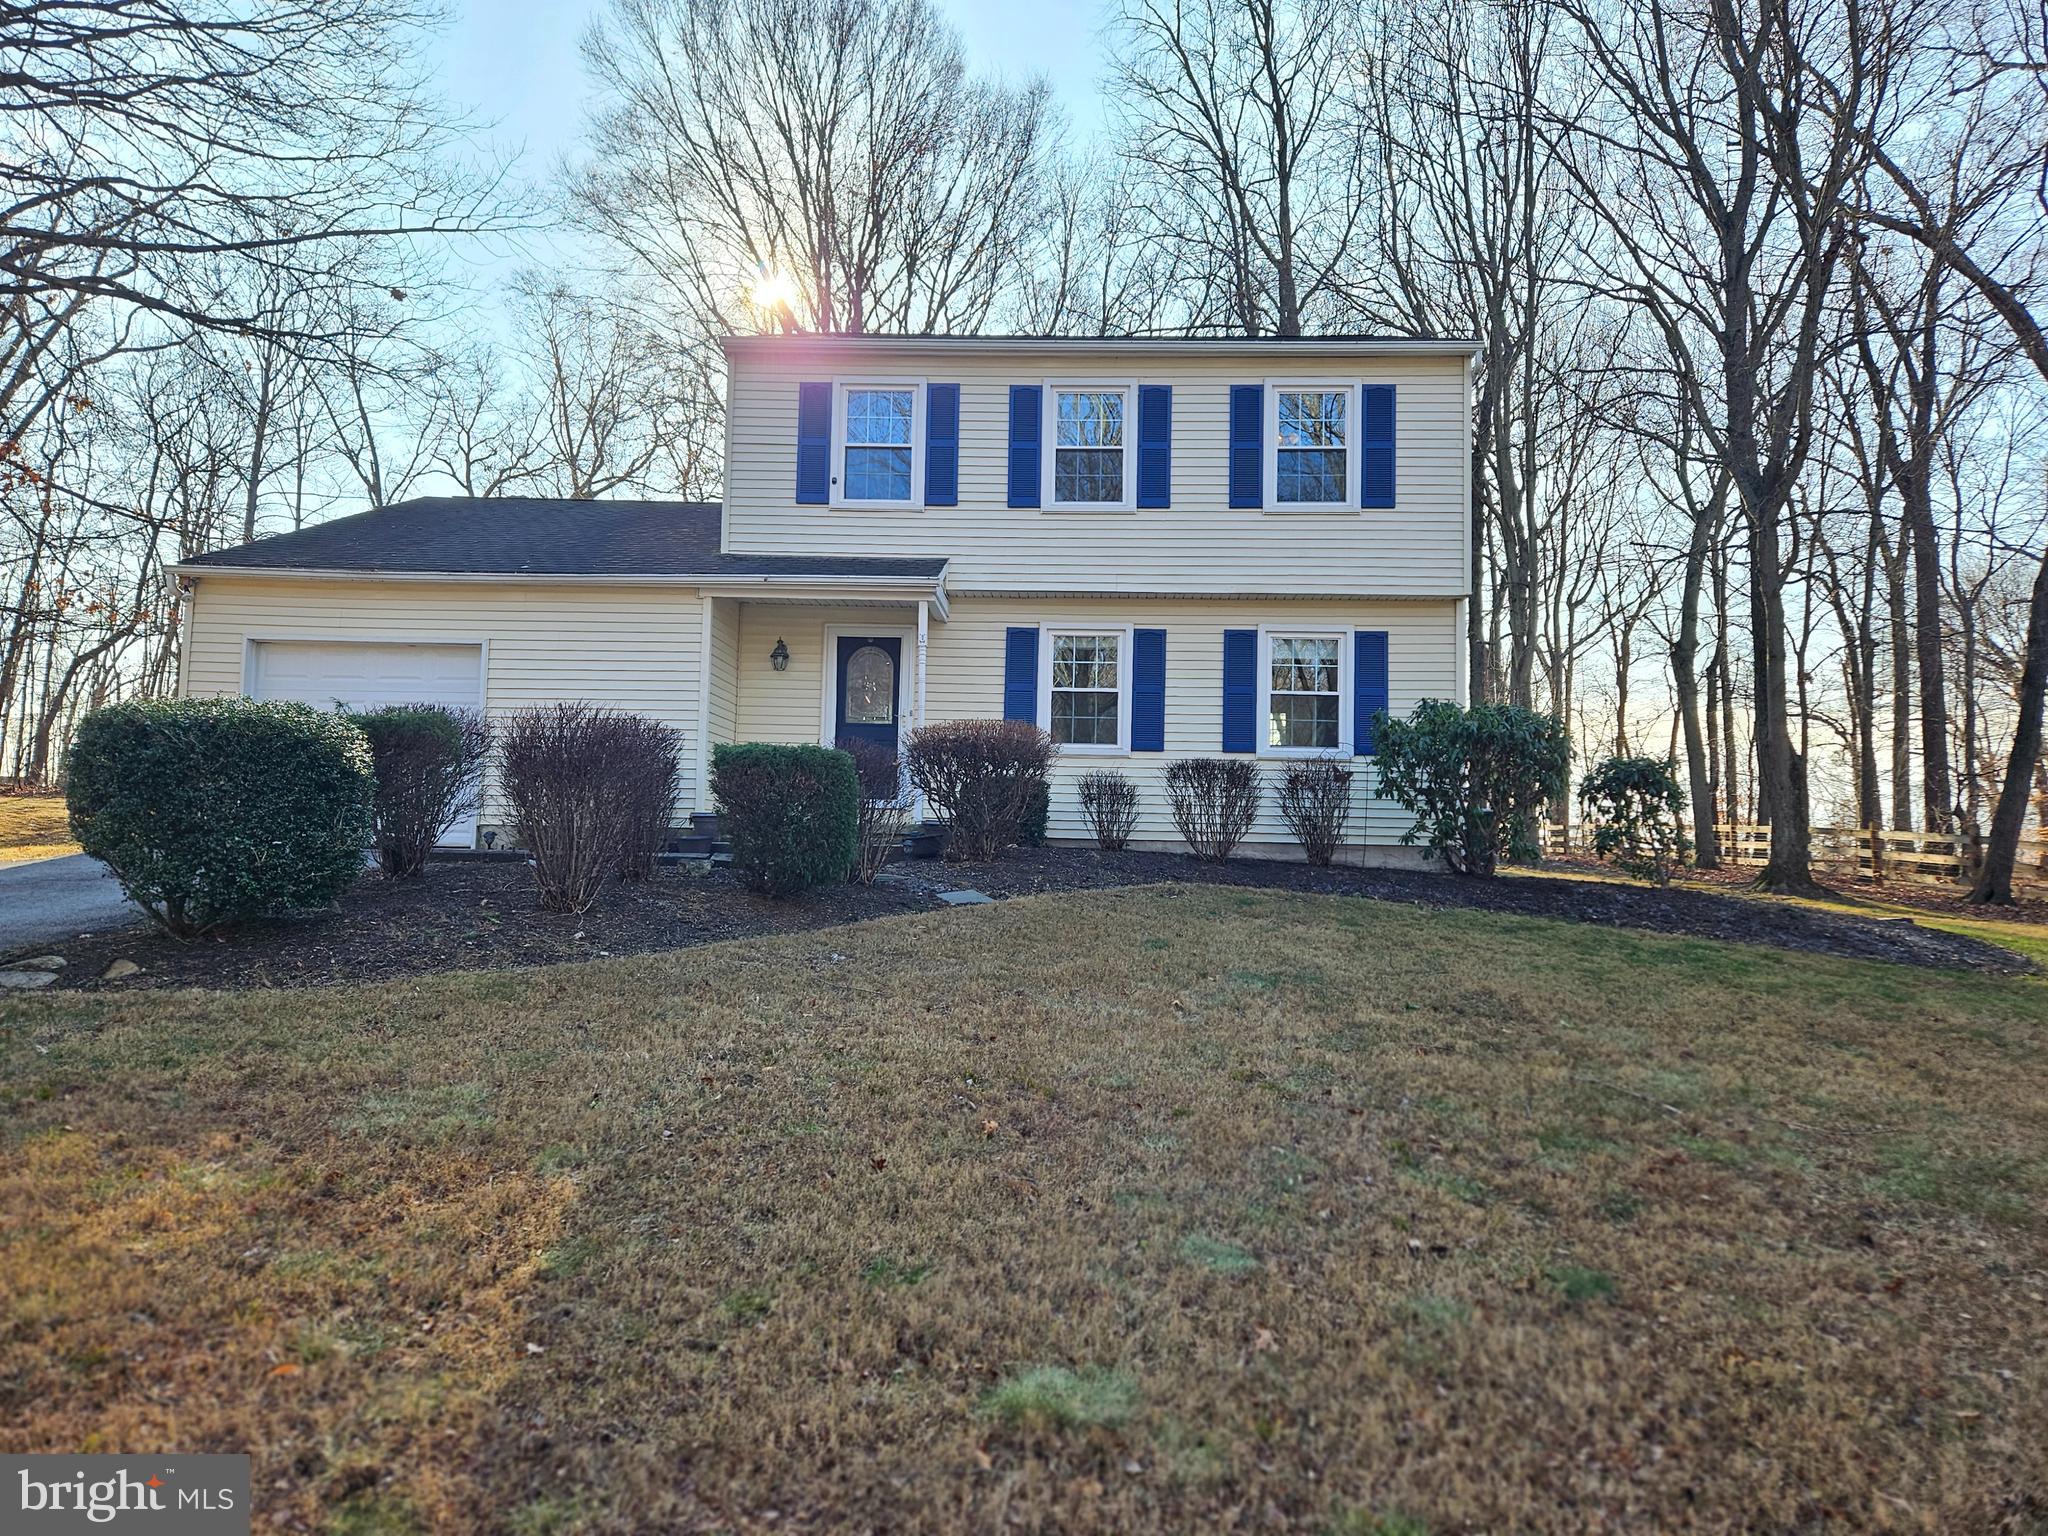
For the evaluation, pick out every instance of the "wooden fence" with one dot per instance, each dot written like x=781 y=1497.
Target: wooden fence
x=1846 y=853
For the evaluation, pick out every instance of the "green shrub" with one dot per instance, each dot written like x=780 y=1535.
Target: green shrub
x=211 y=811
x=980 y=777
x=429 y=765
x=1474 y=779
x=792 y=814
x=1637 y=809
x=1215 y=801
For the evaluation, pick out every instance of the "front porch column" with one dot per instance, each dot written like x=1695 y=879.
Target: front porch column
x=924 y=622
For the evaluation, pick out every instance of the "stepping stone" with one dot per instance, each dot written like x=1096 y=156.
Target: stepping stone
x=121 y=970
x=964 y=898
x=43 y=963
x=24 y=981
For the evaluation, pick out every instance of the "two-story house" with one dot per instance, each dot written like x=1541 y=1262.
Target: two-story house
x=1153 y=548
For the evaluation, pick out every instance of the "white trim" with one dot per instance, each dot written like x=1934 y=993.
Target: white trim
x=835 y=492
x=1262 y=723
x=908 y=589
x=1269 y=446
x=1046 y=632
x=1465 y=482
x=1347 y=346
x=828 y=674
x=1049 y=445
x=701 y=792
x=551 y=578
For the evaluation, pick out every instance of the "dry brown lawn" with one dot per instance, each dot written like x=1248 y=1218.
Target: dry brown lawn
x=33 y=827
x=1171 y=1209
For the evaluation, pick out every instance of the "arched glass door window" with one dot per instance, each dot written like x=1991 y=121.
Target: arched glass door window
x=870 y=687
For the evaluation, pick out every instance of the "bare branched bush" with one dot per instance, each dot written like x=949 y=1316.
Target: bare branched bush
x=1110 y=802
x=1215 y=800
x=560 y=766
x=1315 y=799
x=645 y=758
x=883 y=810
x=980 y=776
x=430 y=772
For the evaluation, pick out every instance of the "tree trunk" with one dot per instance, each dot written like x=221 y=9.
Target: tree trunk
x=1994 y=879
x=1937 y=795
x=1781 y=771
x=1902 y=683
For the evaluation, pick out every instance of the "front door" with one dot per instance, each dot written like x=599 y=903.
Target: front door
x=870 y=689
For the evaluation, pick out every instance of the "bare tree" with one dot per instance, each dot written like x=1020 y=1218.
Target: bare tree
x=143 y=143
x=1724 y=189
x=1241 y=117
x=614 y=407
x=831 y=165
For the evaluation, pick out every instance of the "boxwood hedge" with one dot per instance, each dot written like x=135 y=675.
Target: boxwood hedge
x=792 y=814
x=211 y=811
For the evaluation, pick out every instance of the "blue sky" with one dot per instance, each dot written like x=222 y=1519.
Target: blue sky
x=513 y=63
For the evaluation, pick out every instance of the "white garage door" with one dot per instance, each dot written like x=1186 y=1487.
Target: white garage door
x=351 y=674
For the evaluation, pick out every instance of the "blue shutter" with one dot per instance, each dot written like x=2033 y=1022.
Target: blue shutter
x=1148 y=690
x=1376 y=457
x=1020 y=673
x=942 y=445
x=1240 y=690
x=1368 y=685
x=1155 y=445
x=1027 y=404
x=814 y=443
x=1247 y=448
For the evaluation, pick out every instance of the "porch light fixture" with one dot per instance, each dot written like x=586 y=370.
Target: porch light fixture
x=779 y=657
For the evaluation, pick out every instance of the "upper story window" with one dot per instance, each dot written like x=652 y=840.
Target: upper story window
x=1084 y=701
x=1088 y=449
x=1304 y=692
x=1311 y=446
x=878 y=448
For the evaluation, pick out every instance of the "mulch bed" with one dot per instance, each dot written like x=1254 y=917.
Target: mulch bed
x=470 y=915
x=467 y=915
x=1696 y=914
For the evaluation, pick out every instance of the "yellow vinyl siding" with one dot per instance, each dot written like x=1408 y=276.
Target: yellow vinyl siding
x=1199 y=545
x=965 y=680
x=624 y=647
x=725 y=669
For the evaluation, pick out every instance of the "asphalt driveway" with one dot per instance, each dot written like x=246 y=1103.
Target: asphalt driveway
x=45 y=901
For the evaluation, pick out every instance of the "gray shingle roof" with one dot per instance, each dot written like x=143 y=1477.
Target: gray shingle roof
x=539 y=536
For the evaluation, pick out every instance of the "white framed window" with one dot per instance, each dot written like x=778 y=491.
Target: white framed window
x=878 y=443
x=1084 y=687
x=1304 y=691
x=1090 y=430
x=1311 y=446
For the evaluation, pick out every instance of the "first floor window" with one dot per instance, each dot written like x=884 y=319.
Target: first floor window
x=1088 y=447
x=1302 y=709
x=1086 y=691
x=1312 y=445
x=877 y=440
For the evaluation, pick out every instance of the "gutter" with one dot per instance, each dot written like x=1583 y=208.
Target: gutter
x=1296 y=346
x=912 y=588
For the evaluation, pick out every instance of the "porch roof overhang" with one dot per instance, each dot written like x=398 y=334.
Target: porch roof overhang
x=784 y=586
